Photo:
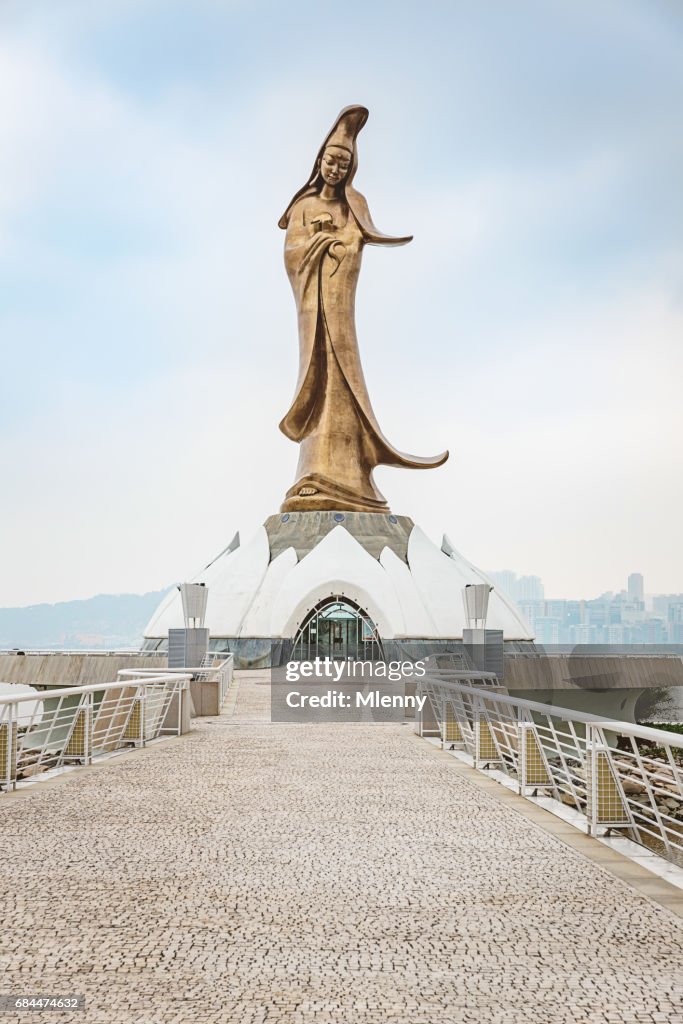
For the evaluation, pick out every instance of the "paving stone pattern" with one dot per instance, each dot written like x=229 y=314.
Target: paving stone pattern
x=287 y=874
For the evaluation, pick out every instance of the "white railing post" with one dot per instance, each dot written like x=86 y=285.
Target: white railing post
x=485 y=746
x=90 y=711
x=183 y=694
x=8 y=749
x=79 y=745
x=476 y=722
x=135 y=729
x=605 y=802
x=452 y=729
x=143 y=715
x=533 y=769
x=522 y=773
x=591 y=781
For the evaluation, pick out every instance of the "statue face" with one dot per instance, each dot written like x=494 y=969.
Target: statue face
x=335 y=164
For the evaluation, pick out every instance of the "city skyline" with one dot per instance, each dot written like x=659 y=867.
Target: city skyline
x=497 y=576
x=628 y=616
x=532 y=580
x=620 y=617
x=534 y=152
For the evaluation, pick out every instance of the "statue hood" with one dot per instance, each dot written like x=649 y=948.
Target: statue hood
x=344 y=132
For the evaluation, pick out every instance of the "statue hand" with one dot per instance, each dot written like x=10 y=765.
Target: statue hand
x=320 y=243
x=314 y=249
x=337 y=251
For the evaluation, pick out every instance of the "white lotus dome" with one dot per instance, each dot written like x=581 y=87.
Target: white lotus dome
x=385 y=565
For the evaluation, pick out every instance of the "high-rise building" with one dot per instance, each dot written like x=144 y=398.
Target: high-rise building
x=675 y=623
x=611 y=618
x=547 y=630
x=531 y=610
x=529 y=588
x=519 y=588
x=505 y=580
x=598 y=610
x=636 y=587
x=584 y=634
x=662 y=602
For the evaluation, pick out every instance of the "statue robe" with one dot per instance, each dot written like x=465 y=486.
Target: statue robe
x=331 y=416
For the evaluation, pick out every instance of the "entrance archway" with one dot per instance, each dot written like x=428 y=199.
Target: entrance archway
x=339 y=629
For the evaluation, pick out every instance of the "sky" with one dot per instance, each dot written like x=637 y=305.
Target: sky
x=534 y=326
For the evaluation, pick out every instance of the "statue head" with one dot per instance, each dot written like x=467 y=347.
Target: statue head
x=335 y=164
x=337 y=158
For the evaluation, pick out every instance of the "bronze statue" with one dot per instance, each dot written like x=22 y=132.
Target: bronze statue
x=328 y=223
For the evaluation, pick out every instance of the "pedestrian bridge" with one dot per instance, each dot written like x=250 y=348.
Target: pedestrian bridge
x=250 y=872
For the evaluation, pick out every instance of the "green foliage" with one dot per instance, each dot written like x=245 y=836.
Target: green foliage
x=676 y=727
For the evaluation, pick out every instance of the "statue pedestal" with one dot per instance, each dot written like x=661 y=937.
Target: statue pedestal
x=305 y=530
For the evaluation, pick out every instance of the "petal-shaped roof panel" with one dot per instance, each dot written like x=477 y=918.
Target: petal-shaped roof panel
x=248 y=597
x=440 y=579
x=166 y=615
x=233 y=580
x=417 y=620
x=338 y=565
x=257 y=621
x=501 y=607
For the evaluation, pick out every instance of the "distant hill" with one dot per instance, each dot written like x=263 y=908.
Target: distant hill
x=107 y=621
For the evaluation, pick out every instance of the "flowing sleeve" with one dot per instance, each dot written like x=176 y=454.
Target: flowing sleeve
x=359 y=207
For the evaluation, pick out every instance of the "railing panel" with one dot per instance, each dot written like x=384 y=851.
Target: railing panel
x=218 y=674
x=73 y=724
x=622 y=777
x=114 y=709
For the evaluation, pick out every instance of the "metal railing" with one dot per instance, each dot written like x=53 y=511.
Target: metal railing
x=44 y=730
x=620 y=776
x=100 y=652
x=208 y=672
x=219 y=667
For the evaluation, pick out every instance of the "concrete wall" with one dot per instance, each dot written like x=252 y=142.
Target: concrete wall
x=592 y=672
x=59 y=668
x=206 y=699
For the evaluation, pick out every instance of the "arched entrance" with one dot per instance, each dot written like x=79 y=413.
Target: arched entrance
x=338 y=628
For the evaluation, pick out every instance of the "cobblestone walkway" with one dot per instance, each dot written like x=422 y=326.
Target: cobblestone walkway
x=291 y=874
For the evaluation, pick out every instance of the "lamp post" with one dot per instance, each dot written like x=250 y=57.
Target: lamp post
x=187 y=647
x=484 y=646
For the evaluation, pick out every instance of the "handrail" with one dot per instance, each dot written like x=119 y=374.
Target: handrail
x=44 y=730
x=615 y=775
x=151 y=672
x=572 y=652
x=69 y=691
x=220 y=673
x=102 y=652
x=627 y=728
